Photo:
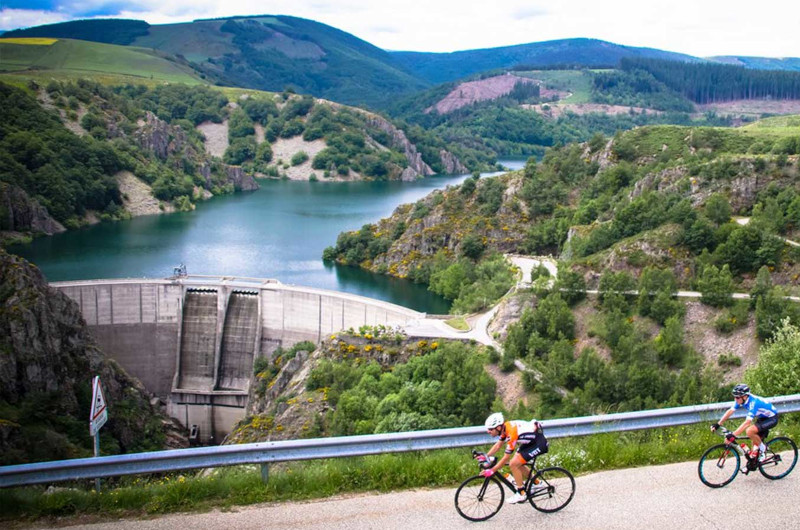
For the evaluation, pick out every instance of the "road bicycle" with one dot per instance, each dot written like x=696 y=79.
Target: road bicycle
x=479 y=498
x=721 y=463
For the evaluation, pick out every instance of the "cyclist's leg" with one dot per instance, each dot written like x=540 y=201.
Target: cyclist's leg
x=519 y=469
x=752 y=433
x=763 y=426
x=529 y=452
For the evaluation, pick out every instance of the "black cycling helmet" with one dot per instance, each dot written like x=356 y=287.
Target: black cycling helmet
x=740 y=390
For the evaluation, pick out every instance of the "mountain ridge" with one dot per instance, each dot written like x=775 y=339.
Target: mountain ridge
x=273 y=52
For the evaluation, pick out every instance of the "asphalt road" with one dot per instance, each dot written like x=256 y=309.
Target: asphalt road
x=649 y=498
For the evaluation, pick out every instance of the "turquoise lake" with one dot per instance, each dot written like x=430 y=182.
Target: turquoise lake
x=278 y=231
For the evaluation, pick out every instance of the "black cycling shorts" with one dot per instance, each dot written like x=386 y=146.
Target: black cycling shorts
x=538 y=446
x=765 y=424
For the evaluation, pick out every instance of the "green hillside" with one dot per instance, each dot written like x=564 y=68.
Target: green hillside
x=274 y=53
x=760 y=63
x=645 y=179
x=650 y=211
x=570 y=106
x=108 y=31
x=82 y=58
x=592 y=53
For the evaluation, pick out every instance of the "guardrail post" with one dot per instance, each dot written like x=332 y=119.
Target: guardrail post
x=264 y=473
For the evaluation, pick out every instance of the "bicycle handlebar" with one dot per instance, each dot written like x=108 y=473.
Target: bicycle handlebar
x=486 y=462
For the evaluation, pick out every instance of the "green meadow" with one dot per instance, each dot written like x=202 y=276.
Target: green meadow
x=71 y=59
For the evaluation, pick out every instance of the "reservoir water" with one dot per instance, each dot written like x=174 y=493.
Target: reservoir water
x=278 y=231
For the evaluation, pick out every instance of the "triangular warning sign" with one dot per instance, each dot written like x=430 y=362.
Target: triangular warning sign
x=98 y=400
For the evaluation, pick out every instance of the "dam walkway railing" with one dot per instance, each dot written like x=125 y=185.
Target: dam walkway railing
x=265 y=453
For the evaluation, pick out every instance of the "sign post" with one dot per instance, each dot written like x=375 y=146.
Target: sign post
x=97 y=418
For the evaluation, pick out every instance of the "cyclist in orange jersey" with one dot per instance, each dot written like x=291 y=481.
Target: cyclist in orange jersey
x=526 y=438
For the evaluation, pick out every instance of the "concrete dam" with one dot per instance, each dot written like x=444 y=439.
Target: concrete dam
x=193 y=340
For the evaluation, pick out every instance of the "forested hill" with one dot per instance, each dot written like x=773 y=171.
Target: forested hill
x=65 y=145
x=649 y=210
x=70 y=148
x=760 y=63
x=109 y=31
x=708 y=83
x=589 y=53
x=660 y=196
x=262 y=52
x=273 y=53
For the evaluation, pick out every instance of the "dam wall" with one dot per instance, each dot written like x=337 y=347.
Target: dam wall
x=193 y=340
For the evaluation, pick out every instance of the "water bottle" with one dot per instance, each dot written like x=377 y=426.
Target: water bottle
x=510 y=478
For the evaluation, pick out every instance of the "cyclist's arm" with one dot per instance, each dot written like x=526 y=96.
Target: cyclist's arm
x=725 y=416
x=500 y=463
x=745 y=424
x=496 y=447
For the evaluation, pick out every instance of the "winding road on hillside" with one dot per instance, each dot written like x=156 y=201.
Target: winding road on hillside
x=669 y=497
x=437 y=328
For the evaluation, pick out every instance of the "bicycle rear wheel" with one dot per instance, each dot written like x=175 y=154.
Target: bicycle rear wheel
x=780 y=458
x=719 y=465
x=555 y=489
x=478 y=498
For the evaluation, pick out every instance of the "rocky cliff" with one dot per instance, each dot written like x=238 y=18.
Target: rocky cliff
x=20 y=213
x=416 y=166
x=48 y=362
x=167 y=142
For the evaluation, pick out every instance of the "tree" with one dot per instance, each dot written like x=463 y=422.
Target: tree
x=652 y=282
x=771 y=309
x=669 y=343
x=472 y=246
x=553 y=319
x=699 y=235
x=762 y=285
x=778 y=368
x=716 y=286
x=571 y=285
x=718 y=209
x=740 y=250
x=615 y=288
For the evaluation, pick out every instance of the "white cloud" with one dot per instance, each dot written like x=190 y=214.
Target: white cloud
x=25 y=18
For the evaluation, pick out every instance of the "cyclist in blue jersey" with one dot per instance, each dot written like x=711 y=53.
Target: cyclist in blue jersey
x=761 y=417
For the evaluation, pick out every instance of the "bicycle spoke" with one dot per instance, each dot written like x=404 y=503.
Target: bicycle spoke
x=478 y=499
x=780 y=458
x=719 y=465
x=555 y=489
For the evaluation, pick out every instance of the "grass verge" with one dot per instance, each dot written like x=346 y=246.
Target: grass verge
x=458 y=323
x=223 y=488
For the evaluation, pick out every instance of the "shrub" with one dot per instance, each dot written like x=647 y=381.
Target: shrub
x=299 y=157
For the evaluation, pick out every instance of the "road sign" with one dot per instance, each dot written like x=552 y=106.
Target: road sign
x=99 y=414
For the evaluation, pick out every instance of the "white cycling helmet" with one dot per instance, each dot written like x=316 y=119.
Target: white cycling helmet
x=494 y=420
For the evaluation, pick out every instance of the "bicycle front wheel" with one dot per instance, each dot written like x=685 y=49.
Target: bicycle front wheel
x=780 y=458
x=719 y=465
x=554 y=490
x=478 y=498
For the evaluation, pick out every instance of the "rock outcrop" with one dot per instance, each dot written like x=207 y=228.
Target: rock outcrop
x=399 y=140
x=452 y=165
x=48 y=362
x=164 y=140
x=240 y=180
x=20 y=213
x=157 y=136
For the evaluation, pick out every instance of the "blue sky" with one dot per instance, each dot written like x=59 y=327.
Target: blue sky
x=696 y=27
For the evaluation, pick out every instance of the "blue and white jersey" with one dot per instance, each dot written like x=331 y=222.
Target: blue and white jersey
x=757 y=408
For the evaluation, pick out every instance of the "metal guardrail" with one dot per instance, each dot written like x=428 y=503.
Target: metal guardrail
x=347 y=446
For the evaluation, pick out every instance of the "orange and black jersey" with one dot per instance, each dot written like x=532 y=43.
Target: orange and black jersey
x=519 y=432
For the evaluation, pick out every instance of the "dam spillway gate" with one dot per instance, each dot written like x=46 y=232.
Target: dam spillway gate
x=193 y=340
